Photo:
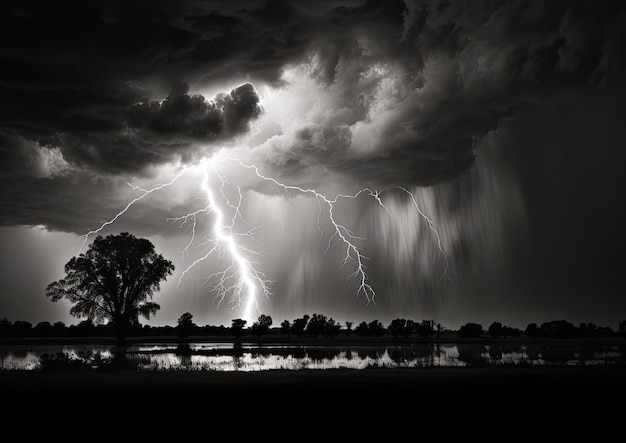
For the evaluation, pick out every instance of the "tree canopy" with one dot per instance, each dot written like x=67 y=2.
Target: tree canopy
x=114 y=280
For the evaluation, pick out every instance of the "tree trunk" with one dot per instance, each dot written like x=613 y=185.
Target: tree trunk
x=120 y=339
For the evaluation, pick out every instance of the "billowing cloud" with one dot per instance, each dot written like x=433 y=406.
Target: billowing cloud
x=182 y=116
x=375 y=93
x=401 y=92
x=180 y=128
x=22 y=157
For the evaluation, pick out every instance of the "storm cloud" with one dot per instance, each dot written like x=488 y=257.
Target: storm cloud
x=401 y=92
x=179 y=128
x=377 y=93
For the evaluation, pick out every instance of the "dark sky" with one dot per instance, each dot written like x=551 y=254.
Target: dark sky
x=493 y=132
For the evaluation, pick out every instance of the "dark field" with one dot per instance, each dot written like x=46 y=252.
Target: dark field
x=384 y=383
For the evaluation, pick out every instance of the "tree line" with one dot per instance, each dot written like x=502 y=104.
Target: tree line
x=310 y=326
x=113 y=282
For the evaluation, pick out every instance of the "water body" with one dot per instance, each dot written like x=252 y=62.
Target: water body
x=228 y=357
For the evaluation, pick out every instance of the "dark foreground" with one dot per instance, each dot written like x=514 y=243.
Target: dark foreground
x=451 y=401
x=384 y=384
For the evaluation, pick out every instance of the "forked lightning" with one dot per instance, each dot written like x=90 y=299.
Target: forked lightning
x=241 y=283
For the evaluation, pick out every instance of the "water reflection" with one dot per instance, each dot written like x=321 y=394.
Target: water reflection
x=229 y=357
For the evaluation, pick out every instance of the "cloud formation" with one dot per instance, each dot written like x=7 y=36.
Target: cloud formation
x=150 y=133
x=353 y=93
x=184 y=116
x=401 y=92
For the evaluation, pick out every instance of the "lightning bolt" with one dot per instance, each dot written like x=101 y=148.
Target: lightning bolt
x=144 y=194
x=241 y=282
x=348 y=238
x=341 y=234
x=449 y=273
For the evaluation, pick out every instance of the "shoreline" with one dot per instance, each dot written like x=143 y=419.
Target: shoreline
x=556 y=383
x=306 y=341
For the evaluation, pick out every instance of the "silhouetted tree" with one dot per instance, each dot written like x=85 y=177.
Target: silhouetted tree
x=316 y=325
x=508 y=331
x=319 y=324
x=213 y=330
x=532 y=330
x=558 y=329
x=5 y=327
x=299 y=325
x=605 y=331
x=349 y=328
x=185 y=325
x=332 y=327
x=396 y=327
x=470 y=330
x=621 y=329
x=587 y=330
x=362 y=329
x=285 y=327
x=495 y=329
x=42 y=329
x=237 y=327
x=262 y=325
x=113 y=280
x=59 y=329
x=425 y=328
x=84 y=328
x=134 y=326
x=167 y=330
x=409 y=328
x=22 y=328
x=376 y=328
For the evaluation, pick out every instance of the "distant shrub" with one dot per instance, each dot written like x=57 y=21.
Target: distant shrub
x=470 y=330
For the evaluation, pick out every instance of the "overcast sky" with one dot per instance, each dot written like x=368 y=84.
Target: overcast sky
x=490 y=136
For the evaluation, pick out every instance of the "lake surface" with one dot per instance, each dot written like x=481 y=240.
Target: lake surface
x=254 y=357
